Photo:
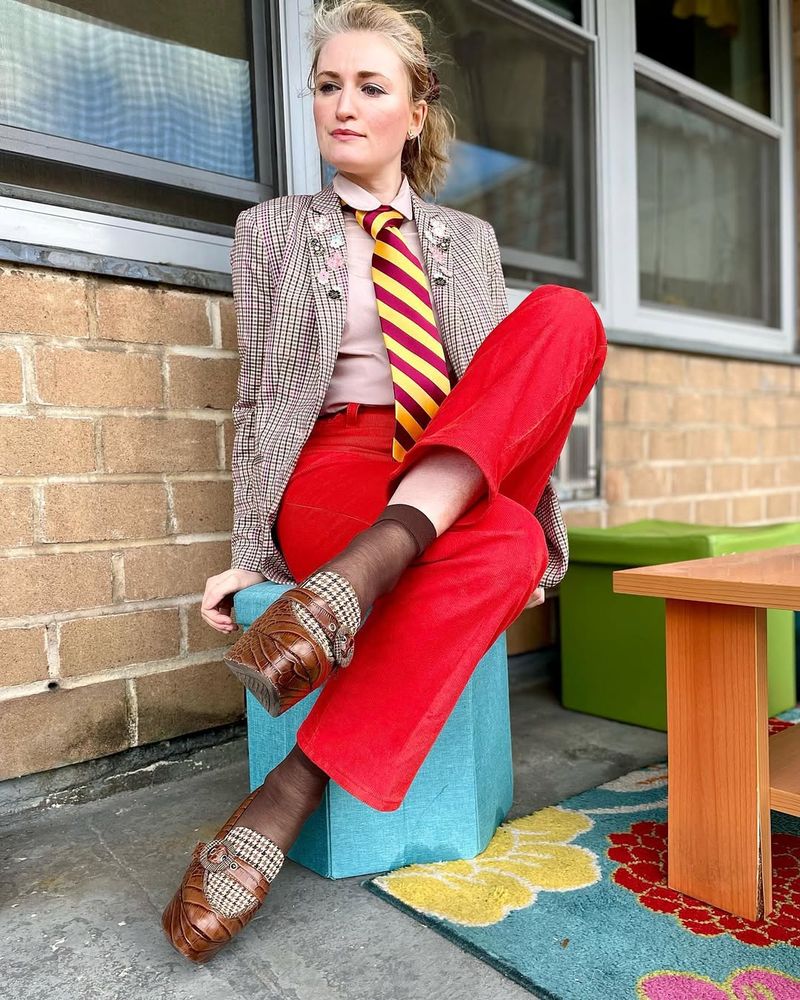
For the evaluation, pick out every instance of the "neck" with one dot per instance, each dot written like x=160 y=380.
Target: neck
x=384 y=187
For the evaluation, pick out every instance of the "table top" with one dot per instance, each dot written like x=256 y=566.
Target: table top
x=769 y=578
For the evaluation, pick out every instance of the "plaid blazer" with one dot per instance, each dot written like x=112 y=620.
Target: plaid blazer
x=289 y=328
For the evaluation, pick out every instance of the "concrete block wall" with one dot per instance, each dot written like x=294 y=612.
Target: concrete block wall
x=700 y=439
x=115 y=439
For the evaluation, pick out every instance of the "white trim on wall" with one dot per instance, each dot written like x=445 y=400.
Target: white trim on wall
x=69 y=231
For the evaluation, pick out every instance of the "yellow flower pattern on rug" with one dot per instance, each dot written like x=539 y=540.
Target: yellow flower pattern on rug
x=526 y=856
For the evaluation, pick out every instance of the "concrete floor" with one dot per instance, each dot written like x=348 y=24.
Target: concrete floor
x=82 y=888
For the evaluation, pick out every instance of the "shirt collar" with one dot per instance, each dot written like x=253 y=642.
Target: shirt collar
x=365 y=201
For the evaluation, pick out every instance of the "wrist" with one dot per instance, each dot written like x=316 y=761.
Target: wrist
x=247 y=577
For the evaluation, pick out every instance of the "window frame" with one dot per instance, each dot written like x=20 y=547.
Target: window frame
x=618 y=252
x=63 y=233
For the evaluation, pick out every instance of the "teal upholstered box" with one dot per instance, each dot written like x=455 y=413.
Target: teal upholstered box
x=459 y=797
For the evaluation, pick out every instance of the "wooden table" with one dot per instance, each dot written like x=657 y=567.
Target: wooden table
x=725 y=771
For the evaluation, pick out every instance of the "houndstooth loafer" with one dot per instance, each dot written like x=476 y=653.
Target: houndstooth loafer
x=195 y=927
x=279 y=660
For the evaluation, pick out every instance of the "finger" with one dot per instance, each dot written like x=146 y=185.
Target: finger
x=216 y=601
x=215 y=614
x=219 y=625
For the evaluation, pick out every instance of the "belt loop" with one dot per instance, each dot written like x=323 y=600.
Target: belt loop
x=352 y=413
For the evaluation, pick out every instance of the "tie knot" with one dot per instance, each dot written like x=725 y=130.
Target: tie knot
x=375 y=220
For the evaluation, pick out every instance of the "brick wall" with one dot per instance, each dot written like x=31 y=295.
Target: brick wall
x=699 y=439
x=115 y=437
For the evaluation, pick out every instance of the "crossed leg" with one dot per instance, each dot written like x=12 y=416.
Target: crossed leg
x=508 y=417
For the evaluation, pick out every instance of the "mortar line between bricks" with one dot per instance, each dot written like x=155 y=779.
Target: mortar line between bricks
x=172 y=602
x=55 y=411
x=130 y=671
x=214 y=322
x=132 y=711
x=200 y=351
x=121 y=478
x=116 y=544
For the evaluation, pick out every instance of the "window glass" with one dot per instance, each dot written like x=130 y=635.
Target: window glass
x=708 y=193
x=140 y=110
x=524 y=152
x=722 y=45
x=169 y=81
x=570 y=9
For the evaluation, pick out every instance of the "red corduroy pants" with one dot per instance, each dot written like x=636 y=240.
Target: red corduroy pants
x=376 y=719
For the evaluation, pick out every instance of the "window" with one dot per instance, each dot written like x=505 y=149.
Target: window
x=148 y=133
x=708 y=183
x=698 y=243
x=519 y=87
x=706 y=243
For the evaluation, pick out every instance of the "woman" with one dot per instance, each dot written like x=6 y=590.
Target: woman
x=389 y=455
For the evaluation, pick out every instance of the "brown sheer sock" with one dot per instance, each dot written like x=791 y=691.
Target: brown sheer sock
x=288 y=796
x=375 y=559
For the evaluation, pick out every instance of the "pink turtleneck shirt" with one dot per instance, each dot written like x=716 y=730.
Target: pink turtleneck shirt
x=361 y=373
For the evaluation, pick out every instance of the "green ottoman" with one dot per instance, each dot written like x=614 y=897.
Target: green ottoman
x=612 y=645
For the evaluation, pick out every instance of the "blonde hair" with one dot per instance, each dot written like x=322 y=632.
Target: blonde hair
x=424 y=159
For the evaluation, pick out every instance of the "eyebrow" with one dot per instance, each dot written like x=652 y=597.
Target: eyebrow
x=361 y=73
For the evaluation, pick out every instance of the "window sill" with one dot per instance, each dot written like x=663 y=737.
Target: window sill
x=659 y=343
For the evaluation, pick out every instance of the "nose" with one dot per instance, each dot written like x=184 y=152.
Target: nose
x=344 y=104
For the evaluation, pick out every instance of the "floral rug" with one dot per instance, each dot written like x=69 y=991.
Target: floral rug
x=572 y=903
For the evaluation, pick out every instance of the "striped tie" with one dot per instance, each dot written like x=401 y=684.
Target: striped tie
x=416 y=355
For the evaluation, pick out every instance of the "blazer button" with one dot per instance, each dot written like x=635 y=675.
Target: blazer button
x=334 y=293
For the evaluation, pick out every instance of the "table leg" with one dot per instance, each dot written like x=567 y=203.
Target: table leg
x=717 y=733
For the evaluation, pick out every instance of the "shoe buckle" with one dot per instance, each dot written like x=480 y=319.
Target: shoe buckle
x=218 y=856
x=347 y=648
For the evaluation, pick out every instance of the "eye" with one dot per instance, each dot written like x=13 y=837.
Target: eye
x=323 y=89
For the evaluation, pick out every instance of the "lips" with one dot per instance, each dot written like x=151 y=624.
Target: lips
x=344 y=131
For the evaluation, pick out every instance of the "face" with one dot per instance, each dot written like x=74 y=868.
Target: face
x=362 y=89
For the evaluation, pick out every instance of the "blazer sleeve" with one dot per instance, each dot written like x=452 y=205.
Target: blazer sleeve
x=548 y=509
x=252 y=297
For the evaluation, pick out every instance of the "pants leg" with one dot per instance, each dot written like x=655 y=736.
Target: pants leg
x=512 y=410
x=375 y=721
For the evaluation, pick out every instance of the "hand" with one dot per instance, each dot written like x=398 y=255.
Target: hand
x=217 y=603
x=536 y=598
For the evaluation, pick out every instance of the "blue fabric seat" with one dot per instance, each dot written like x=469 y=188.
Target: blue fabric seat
x=459 y=797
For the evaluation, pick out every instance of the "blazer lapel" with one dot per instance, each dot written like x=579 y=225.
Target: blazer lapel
x=323 y=235
x=431 y=226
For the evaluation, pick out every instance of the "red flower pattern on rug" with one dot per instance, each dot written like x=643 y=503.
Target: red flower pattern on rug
x=642 y=857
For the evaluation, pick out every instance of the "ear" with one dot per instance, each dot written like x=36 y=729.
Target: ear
x=420 y=114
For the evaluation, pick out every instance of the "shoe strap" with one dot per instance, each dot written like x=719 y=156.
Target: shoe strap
x=231 y=862
x=318 y=607
x=249 y=877
x=342 y=638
